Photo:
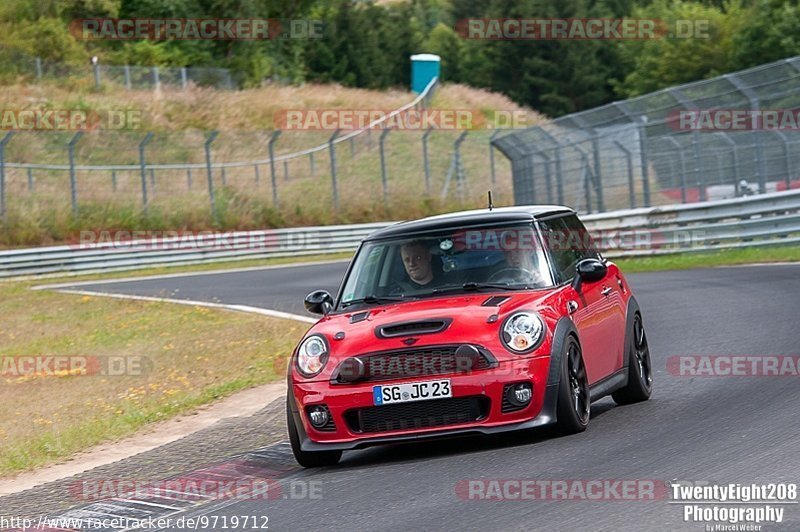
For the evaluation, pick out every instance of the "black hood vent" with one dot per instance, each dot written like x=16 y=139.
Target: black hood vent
x=495 y=301
x=361 y=316
x=413 y=328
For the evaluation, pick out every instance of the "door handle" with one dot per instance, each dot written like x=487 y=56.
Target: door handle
x=605 y=291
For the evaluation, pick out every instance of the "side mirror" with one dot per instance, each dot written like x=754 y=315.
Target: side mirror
x=318 y=302
x=589 y=271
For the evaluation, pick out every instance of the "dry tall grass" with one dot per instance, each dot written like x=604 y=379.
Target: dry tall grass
x=39 y=203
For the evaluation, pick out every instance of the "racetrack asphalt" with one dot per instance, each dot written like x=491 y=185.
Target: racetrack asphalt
x=715 y=430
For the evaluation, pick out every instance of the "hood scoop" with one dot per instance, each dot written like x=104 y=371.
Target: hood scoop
x=413 y=328
x=361 y=316
x=495 y=301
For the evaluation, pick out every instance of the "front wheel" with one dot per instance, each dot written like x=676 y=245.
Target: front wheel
x=640 y=369
x=574 y=402
x=308 y=458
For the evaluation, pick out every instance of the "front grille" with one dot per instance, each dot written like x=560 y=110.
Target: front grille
x=419 y=362
x=418 y=414
x=410 y=328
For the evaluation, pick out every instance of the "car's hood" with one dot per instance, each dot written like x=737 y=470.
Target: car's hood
x=470 y=319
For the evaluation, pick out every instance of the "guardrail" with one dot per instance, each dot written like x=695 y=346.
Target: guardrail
x=766 y=219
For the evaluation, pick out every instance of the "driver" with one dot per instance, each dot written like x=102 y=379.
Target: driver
x=520 y=265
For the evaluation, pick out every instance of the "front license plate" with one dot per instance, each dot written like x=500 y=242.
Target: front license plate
x=411 y=391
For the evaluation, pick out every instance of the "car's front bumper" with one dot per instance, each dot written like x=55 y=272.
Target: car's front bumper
x=487 y=384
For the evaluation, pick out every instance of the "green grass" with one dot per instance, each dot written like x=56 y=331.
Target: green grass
x=730 y=257
x=197 y=355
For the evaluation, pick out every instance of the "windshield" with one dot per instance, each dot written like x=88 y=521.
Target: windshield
x=460 y=260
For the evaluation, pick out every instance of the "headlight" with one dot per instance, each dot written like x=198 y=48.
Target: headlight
x=312 y=355
x=522 y=331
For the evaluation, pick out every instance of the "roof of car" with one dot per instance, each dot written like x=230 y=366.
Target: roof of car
x=519 y=213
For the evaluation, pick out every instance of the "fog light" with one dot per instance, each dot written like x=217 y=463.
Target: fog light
x=520 y=394
x=318 y=416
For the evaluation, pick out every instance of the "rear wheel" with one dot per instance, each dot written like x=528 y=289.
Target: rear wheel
x=640 y=369
x=308 y=458
x=574 y=403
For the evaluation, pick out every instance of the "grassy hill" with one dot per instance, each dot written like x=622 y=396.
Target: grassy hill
x=180 y=120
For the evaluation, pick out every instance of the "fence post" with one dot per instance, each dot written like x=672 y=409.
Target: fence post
x=96 y=75
x=557 y=155
x=683 y=166
x=223 y=176
x=113 y=180
x=460 y=177
x=425 y=160
x=491 y=156
x=189 y=178
x=548 y=179
x=698 y=164
x=207 y=146
x=735 y=150
x=332 y=150
x=272 y=139
x=143 y=168
x=786 y=161
x=258 y=177
x=127 y=70
x=286 y=170
x=629 y=158
x=644 y=164
x=3 y=144
x=311 y=162
x=153 y=181
x=384 y=180
x=759 y=162
x=30 y=179
x=598 y=180
x=73 y=178
x=38 y=68
x=156 y=79
x=183 y=78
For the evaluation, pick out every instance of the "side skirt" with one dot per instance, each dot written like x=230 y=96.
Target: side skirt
x=609 y=385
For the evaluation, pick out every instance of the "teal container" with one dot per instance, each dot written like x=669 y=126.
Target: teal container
x=424 y=67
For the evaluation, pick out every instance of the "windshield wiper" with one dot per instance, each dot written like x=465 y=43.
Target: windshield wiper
x=473 y=286
x=374 y=300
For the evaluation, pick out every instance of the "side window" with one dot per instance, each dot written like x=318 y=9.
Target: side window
x=568 y=242
x=580 y=238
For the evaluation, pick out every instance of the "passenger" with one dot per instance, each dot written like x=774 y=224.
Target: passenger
x=417 y=261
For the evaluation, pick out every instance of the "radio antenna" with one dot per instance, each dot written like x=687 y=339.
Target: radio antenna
x=490 y=201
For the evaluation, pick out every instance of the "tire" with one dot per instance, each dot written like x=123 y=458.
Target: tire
x=308 y=458
x=574 y=402
x=640 y=368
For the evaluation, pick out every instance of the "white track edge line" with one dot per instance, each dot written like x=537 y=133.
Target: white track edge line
x=189 y=302
x=186 y=274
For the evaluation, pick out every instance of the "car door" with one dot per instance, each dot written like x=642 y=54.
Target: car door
x=597 y=314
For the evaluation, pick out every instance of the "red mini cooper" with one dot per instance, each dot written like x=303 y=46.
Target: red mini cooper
x=472 y=322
